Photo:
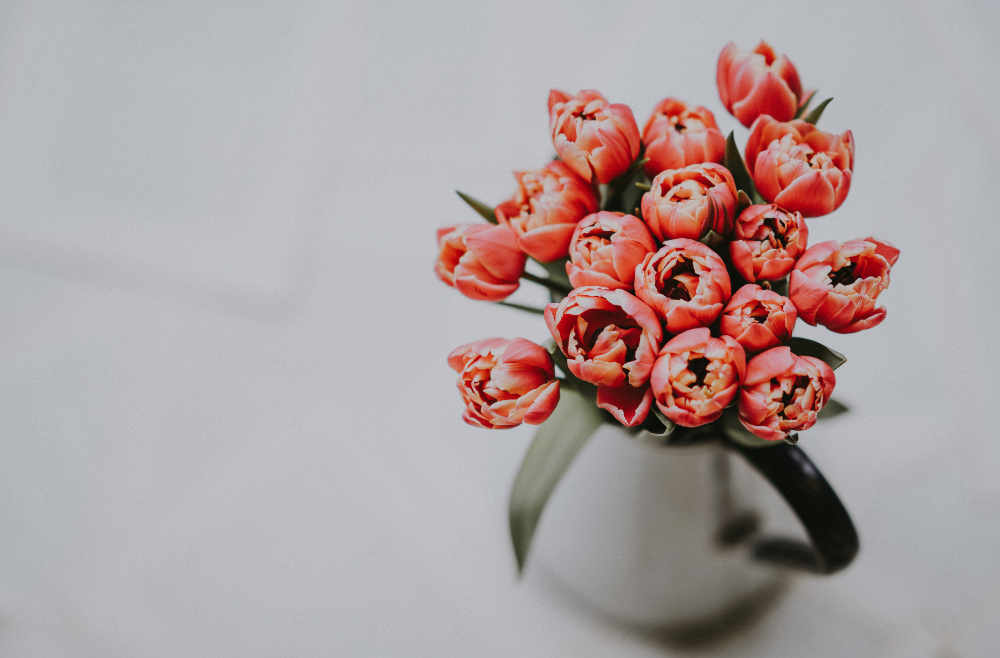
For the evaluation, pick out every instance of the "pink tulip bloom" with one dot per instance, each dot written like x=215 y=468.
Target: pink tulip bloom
x=545 y=209
x=685 y=282
x=677 y=135
x=610 y=339
x=758 y=319
x=481 y=260
x=758 y=82
x=800 y=167
x=686 y=203
x=767 y=241
x=783 y=392
x=696 y=376
x=605 y=249
x=837 y=285
x=505 y=382
x=594 y=138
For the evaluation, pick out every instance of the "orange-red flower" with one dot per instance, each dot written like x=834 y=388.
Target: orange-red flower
x=605 y=249
x=696 y=376
x=767 y=241
x=800 y=167
x=686 y=203
x=505 y=382
x=783 y=392
x=685 y=282
x=610 y=339
x=758 y=82
x=481 y=260
x=596 y=139
x=545 y=209
x=677 y=135
x=837 y=285
x=758 y=318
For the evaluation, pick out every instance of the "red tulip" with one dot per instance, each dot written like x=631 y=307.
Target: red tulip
x=481 y=260
x=800 y=167
x=545 y=209
x=758 y=318
x=836 y=285
x=610 y=339
x=767 y=241
x=594 y=138
x=677 y=135
x=686 y=203
x=783 y=392
x=758 y=82
x=685 y=282
x=605 y=249
x=505 y=382
x=696 y=376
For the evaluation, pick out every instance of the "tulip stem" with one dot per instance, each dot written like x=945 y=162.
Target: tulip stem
x=643 y=186
x=523 y=307
x=548 y=283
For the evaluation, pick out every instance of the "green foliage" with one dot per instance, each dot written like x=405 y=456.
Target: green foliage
x=556 y=444
x=813 y=117
x=738 y=168
x=485 y=211
x=806 y=347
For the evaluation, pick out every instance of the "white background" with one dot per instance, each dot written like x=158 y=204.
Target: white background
x=228 y=426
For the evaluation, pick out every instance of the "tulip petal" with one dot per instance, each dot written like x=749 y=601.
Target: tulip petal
x=630 y=406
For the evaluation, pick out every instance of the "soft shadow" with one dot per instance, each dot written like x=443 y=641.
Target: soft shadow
x=687 y=634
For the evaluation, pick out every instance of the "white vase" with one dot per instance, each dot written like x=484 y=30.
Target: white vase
x=631 y=534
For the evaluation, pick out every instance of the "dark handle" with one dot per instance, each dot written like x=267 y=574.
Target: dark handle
x=834 y=540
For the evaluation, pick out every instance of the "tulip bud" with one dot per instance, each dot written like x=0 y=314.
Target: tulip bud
x=610 y=339
x=594 y=138
x=481 y=260
x=782 y=392
x=545 y=209
x=800 y=167
x=605 y=249
x=758 y=82
x=767 y=241
x=688 y=202
x=685 y=282
x=696 y=376
x=758 y=318
x=837 y=285
x=677 y=135
x=505 y=382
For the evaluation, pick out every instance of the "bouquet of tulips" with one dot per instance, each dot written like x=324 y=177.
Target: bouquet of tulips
x=677 y=270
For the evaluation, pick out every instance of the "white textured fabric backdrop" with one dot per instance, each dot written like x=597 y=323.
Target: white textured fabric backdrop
x=228 y=425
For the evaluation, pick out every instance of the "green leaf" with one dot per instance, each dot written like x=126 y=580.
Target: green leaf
x=734 y=431
x=552 y=450
x=557 y=271
x=738 y=168
x=657 y=427
x=817 y=112
x=806 y=347
x=558 y=357
x=779 y=286
x=485 y=211
x=713 y=240
x=631 y=196
x=621 y=194
x=742 y=202
x=833 y=409
x=804 y=107
x=523 y=307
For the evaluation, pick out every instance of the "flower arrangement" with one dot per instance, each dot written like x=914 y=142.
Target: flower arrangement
x=677 y=269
